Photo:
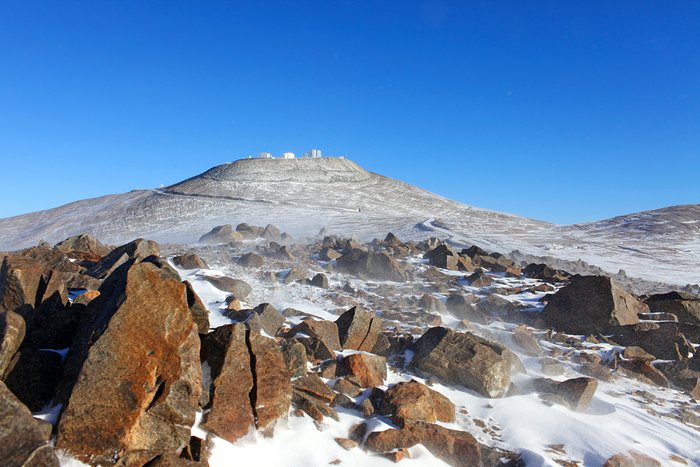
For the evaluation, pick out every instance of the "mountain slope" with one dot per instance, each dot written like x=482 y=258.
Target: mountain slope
x=303 y=195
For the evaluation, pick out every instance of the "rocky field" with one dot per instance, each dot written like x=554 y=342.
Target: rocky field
x=251 y=347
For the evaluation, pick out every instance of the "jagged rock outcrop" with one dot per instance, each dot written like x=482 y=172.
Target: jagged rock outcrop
x=83 y=247
x=132 y=379
x=591 y=304
x=685 y=306
x=463 y=359
x=12 y=331
x=250 y=382
x=576 y=393
x=137 y=249
x=358 y=329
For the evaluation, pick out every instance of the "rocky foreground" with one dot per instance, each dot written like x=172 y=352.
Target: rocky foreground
x=389 y=350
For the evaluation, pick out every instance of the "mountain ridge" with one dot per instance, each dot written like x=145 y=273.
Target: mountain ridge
x=304 y=195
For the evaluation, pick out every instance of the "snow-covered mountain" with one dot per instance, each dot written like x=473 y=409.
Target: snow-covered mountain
x=303 y=195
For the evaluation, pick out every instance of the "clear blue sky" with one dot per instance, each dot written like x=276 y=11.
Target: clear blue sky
x=562 y=111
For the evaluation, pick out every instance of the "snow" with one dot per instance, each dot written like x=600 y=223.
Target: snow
x=619 y=419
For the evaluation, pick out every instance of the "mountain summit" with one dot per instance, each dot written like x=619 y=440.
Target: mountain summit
x=304 y=195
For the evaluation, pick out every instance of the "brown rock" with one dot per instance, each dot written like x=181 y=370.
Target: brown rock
x=458 y=305
x=12 y=331
x=190 y=261
x=251 y=260
x=227 y=353
x=294 y=354
x=326 y=331
x=632 y=459
x=136 y=250
x=137 y=354
x=370 y=370
x=417 y=401
x=358 y=329
x=457 y=448
x=683 y=305
x=371 y=265
x=346 y=443
x=576 y=393
x=83 y=247
x=589 y=305
x=200 y=314
x=314 y=386
x=328 y=254
x=250 y=382
x=270 y=319
x=21 y=440
x=527 y=342
x=237 y=287
x=20 y=278
x=463 y=359
x=221 y=234
x=637 y=353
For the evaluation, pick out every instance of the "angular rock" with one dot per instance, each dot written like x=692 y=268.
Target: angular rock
x=526 y=341
x=637 y=353
x=457 y=448
x=370 y=370
x=442 y=257
x=545 y=273
x=463 y=359
x=358 y=329
x=12 y=331
x=20 y=279
x=270 y=319
x=237 y=287
x=271 y=233
x=416 y=401
x=576 y=393
x=137 y=353
x=200 y=314
x=429 y=303
x=326 y=331
x=632 y=459
x=328 y=254
x=369 y=265
x=320 y=281
x=21 y=440
x=684 y=305
x=250 y=382
x=190 y=261
x=479 y=279
x=314 y=386
x=83 y=247
x=458 y=305
x=294 y=354
x=221 y=234
x=251 y=260
x=589 y=305
x=228 y=355
x=138 y=249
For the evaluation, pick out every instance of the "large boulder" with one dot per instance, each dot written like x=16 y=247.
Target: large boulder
x=221 y=234
x=417 y=401
x=591 y=304
x=463 y=359
x=457 y=448
x=132 y=379
x=237 y=287
x=250 y=382
x=576 y=393
x=190 y=261
x=135 y=250
x=370 y=265
x=442 y=257
x=685 y=306
x=22 y=442
x=12 y=331
x=545 y=273
x=325 y=331
x=83 y=247
x=358 y=329
x=369 y=370
x=20 y=278
x=251 y=260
